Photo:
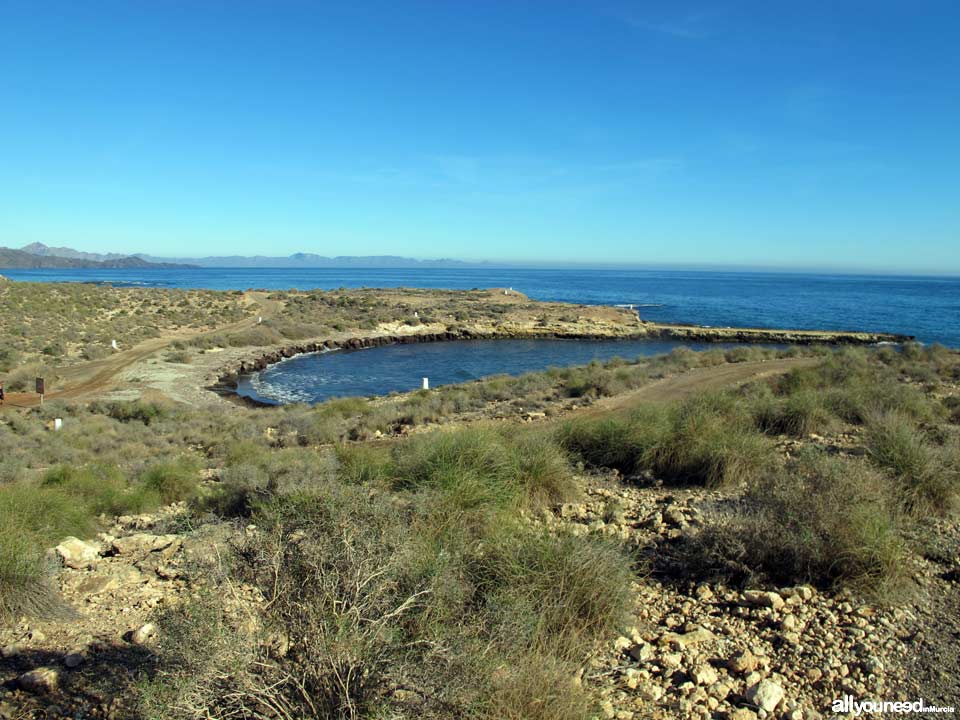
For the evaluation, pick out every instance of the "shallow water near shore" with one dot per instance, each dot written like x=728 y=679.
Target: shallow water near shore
x=315 y=377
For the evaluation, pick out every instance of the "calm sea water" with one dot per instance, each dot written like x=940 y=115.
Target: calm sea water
x=398 y=368
x=926 y=307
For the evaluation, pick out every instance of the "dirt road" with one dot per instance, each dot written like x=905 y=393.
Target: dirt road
x=678 y=387
x=97 y=376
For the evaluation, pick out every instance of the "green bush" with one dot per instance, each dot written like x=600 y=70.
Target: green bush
x=707 y=440
x=551 y=592
x=799 y=414
x=363 y=464
x=101 y=488
x=621 y=443
x=709 y=443
x=821 y=520
x=26 y=586
x=483 y=467
x=46 y=513
x=173 y=480
x=533 y=686
x=924 y=482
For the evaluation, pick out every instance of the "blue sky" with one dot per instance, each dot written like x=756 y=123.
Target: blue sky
x=796 y=135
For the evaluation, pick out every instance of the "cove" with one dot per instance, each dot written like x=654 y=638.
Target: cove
x=316 y=377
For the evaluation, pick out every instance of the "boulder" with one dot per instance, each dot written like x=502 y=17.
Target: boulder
x=77 y=554
x=144 y=544
x=40 y=680
x=98 y=584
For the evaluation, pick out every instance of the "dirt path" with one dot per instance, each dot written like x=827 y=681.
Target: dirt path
x=97 y=376
x=678 y=387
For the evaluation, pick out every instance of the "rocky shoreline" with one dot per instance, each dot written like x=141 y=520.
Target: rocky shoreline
x=227 y=379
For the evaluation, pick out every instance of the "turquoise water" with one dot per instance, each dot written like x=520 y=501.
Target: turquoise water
x=399 y=368
x=927 y=307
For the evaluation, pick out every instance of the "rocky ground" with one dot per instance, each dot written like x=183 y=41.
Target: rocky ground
x=693 y=649
x=705 y=650
x=83 y=663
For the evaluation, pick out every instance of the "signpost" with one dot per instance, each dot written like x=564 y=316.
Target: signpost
x=40 y=388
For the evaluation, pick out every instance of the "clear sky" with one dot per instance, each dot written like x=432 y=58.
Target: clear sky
x=794 y=134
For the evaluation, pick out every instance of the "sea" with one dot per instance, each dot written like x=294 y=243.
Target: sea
x=925 y=307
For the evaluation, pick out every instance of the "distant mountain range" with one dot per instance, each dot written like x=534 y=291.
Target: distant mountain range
x=38 y=255
x=311 y=260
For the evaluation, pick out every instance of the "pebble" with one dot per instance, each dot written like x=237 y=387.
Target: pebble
x=144 y=634
x=766 y=695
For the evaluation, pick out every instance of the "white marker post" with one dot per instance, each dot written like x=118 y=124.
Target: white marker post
x=259 y=319
x=57 y=423
x=426 y=383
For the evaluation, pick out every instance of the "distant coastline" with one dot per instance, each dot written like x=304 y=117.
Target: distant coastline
x=12 y=259
x=919 y=306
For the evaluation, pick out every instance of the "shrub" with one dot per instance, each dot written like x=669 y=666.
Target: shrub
x=551 y=592
x=799 y=414
x=241 y=488
x=47 y=514
x=923 y=481
x=205 y=665
x=482 y=467
x=952 y=407
x=179 y=356
x=173 y=480
x=709 y=443
x=619 y=442
x=822 y=520
x=128 y=410
x=101 y=488
x=339 y=592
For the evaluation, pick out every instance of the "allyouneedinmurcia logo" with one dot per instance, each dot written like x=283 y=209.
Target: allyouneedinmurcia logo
x=847 y=705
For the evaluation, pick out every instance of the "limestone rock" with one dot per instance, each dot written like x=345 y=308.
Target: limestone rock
x=743 y=662
x=680 y=641
x=641 y=652
x=73 y=660
x=40 y=680
x=761 y=598
x=144 y=634
x=704 y=675
x=766 y=695
x=98 y=584
x=144 y=543
x=76 y=554
x=672 y=661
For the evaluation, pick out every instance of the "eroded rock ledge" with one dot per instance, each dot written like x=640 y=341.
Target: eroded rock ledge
x=227 y=380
